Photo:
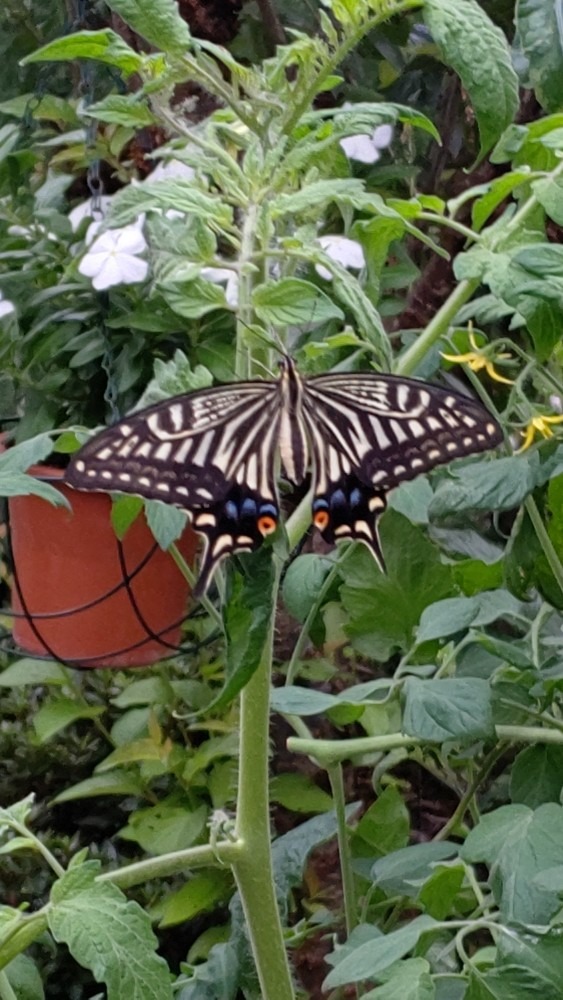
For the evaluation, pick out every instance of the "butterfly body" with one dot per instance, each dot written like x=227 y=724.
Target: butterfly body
x=216 y=452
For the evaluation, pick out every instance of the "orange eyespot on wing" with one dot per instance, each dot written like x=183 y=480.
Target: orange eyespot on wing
x=266 y=524
x=321 y=519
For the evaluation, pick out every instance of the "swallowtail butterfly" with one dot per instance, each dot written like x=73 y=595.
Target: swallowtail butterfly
x=215 y=453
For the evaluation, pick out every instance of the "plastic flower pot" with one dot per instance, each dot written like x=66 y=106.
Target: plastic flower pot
x=81 y=596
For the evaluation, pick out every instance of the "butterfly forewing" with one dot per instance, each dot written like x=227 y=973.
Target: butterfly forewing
x=369 y=433
x=212 y=452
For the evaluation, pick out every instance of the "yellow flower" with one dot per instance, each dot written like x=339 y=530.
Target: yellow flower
x=478 y=359
x=541 y=424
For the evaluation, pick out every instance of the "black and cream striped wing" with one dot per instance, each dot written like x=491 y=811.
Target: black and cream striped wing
x=368 y=433
x=211 y=452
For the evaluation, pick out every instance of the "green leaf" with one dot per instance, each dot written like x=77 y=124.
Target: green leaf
x=383 y=609
x=104 y=45
x=299 y=793
x=293 y=700
x=14 y=463
x=124 y=511
x=520 y=844
x=247 y=619
x=456 y=614
x=166 y=827
x=302 y=583
x=158 y=21
x=24 y=978
x=408 y=979
x=181 y=195
x=114 y=783
x=59 y=713
x=497 y=190
x=193 y=299
x=448 y=709
x=517 y=982
x=108 y=935
x=202 y=892
x=123 y=109
x=478 y=52
x=537 y=775
x=350 y=191
x=17 y=813
x=28 y=671
x=371 y=958
x=539 y=34
x=439 y=892
x=385 y=826
x=167 y=523
x=549 y=192
x=500 y=484
x=292 y=301
x=538 y=956
x=401 y=872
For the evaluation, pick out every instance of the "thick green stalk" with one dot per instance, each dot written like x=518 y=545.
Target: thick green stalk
x=437 y=327
x=253 y=868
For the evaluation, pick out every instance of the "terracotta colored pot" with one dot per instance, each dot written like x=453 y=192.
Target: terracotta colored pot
x=70 y=599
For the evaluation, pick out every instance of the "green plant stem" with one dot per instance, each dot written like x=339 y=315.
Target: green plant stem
x=437 y=327
x=190 y=576
x=329 y=752
x=444 y=220
x=459 y=812
x=174 y=863
x=246 y=280
x=253 y=867
x=6 y=991
x=544 y=540
x=336 y=779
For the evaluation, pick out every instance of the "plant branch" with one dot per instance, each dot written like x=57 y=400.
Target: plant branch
x=336 y=779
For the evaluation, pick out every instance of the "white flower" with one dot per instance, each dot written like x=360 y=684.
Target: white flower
x=112 y=258
x=347 y=252
x=220 y=276
x=367 y=148
x=86 y=210
x=6 y=307
x=170 y=170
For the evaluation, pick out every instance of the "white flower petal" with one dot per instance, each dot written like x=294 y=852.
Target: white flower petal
x=86 y=210
x=129 y=240
x=170 y=170
x=360 y=147
x=6 y=307
x=222 y=275
x=382 y=136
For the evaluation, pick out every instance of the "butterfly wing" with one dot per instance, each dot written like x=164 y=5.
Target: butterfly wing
x=370 y=432
x=210 y=452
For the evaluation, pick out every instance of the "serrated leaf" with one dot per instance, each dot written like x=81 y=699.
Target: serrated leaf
x=108 y=935
x=158 y=21
x=538 y=23
x=448 y=709
x=408 y=979
x=123 y=109
x=383 y=609
x=182 y=196
x=124 y=511
x=292 y=301
x=405 y=869
x=478 y=52
x=314 y=196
